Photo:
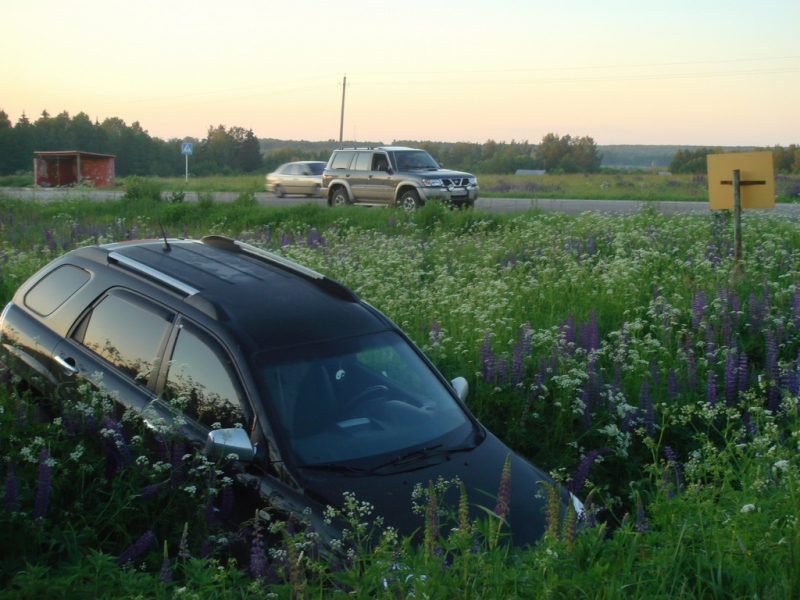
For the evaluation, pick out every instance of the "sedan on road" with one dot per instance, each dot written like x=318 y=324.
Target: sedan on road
x=302 y=177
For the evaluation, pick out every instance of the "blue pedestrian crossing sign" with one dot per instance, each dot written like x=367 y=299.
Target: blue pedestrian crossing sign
x=186 y=148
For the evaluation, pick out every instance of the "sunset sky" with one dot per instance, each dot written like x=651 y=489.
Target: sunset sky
x=685 y=72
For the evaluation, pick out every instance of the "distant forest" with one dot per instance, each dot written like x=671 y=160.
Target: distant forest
x=233 y=150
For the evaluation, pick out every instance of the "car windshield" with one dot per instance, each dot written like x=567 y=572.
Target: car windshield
x=317 y=167
x=414 y=160
x=358 y=398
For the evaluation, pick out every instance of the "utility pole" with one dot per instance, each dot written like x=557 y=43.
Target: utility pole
x=341 y=122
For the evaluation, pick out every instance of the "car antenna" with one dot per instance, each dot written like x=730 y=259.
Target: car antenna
x=166 y=247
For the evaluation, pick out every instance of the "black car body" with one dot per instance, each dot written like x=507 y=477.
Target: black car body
x=316 y=392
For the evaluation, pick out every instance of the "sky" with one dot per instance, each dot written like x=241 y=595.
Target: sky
x=684 y=72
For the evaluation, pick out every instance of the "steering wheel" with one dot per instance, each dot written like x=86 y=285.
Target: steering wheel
x=367 y=397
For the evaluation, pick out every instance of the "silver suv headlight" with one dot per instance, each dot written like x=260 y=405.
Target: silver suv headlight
x=432 y=182
x=473 y=181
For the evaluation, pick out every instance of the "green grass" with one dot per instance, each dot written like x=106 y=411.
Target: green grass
x=576 y=333
x=634 y=185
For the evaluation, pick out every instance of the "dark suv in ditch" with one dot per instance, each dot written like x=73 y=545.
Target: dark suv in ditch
x=394 y=176
x=315 y=392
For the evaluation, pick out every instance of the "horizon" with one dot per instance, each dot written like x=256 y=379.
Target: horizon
x=678 y=75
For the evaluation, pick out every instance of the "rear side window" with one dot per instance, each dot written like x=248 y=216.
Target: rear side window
x=363 y=161
x=55 y=288
x=128 y=332
x=341 y=160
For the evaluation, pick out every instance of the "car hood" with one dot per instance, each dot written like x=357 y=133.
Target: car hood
x=440 y=173
x=480 y=469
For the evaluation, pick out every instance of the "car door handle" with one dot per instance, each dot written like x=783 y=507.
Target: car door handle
x=67 y=366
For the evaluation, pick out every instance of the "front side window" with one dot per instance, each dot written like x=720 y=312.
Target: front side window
x=357 y=398
x=127 y=331
x=202 y=382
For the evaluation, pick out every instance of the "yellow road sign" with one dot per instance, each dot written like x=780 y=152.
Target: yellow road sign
x=756 y=179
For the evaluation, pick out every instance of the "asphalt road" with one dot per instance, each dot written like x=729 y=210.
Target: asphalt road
x=488 y=204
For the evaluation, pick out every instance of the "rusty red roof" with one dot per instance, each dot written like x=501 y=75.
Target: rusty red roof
x=44 y=153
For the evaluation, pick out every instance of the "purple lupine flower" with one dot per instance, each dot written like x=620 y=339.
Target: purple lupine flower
x=742 y=372
x=165 y=574
x=314 y=239
x=286 y=239
x=431 y=515
x=691 y=367
x=183 y=546
x=726 y=329
x=11 y=488
x=517 y=365
x=258 y=561
x=178 y=451
x=647 y=408
x=641 y=517
x=501 y=374
x=118 y=439
x=581 y=473
x=699 y=303
x=392 y=221
x=773 y=372
x=436 y=333
x=43 y=485
x=590 y=249
x=673 y=464
x=502 y=507
x=735 y=310
x=730 y=378
x=711 y=389
x=151 y=490
x=487 y=358
x=136 y=549
x=672 y=385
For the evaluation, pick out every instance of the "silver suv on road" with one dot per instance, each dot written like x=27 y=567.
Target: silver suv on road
x=393 y=176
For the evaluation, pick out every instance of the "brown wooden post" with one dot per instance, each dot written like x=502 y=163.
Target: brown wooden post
x=737 y=226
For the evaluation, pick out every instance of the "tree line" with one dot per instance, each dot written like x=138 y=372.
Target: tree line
x=223 y=151
x=784 y=160
x=237 y=150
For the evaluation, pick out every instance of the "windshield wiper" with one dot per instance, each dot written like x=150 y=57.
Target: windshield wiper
x=423 y=454
x=336 y=468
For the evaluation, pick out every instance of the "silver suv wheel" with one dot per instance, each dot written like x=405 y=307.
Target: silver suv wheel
x=409 y=200
x=340 y=198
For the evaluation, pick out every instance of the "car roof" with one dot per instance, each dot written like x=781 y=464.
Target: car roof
x=264 y=300
x=390 y=148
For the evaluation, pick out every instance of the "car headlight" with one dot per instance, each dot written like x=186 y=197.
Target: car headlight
x=432 y=182
x=473 y=181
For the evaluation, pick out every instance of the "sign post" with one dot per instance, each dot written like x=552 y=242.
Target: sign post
x=186 y=150
x=753 y=184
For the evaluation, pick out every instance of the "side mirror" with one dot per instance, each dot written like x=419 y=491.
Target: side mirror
x=222 y=442
x=461 y=388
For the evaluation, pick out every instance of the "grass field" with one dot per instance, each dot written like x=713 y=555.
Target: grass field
x=634 y=185
x=620 y=354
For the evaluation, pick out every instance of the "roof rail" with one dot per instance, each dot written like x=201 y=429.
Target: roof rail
x=226 y=243
x=191 y=295
x=150 y=272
